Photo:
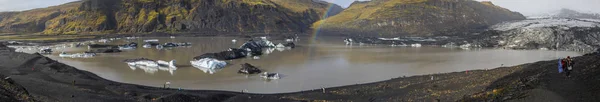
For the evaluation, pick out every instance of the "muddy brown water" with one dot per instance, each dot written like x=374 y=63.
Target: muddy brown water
x=316 y=63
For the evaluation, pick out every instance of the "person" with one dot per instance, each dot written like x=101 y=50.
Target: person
x=560 y=68
x=563 y=65
x=569 y=65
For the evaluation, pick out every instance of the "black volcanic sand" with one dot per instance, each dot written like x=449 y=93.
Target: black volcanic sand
x=34 y=77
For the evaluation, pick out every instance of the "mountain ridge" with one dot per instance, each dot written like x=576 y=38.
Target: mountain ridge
x=170 y=16
x=415 y=17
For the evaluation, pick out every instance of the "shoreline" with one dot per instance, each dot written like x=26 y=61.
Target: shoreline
x=109 y=83
x=51 y=75
x=32 y=39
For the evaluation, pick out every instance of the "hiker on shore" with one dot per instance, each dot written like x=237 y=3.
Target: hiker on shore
x=569 y=66
x=563 y=65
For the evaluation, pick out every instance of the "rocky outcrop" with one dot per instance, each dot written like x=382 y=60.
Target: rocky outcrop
x=393 y=18
x=170 y=16
x=12 y=92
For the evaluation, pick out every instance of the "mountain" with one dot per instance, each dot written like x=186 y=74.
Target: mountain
x=568 y=13
x=171 y=16
x=415 y=17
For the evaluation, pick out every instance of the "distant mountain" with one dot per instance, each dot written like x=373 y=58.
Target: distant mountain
x=141 y=16
x=415 y=17
x=568 y=13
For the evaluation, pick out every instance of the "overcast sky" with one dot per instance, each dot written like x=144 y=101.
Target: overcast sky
x=533 y=7
x=527 y=7
x=20 y=5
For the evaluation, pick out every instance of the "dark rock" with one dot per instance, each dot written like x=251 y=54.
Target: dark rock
x=137 y=59
x=111 y=50
x=209 y=55
x=249 y=69
x=184 y=44
x=132 y=44
x=46 y=51
x=290 y=44
x=13 y=92
x=254 y=47
x=170 y=45
x=4 y=48
x=102 y=46
x=151 y=43
x=224 y=55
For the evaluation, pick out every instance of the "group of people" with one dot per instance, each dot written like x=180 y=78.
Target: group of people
x=566 y=65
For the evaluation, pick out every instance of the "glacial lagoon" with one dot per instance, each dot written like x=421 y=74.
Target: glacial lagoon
x=313 y=64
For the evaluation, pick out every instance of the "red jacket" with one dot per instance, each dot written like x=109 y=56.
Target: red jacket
x=563 y=63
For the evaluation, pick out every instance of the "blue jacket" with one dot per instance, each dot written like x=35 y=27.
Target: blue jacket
x=560 y=69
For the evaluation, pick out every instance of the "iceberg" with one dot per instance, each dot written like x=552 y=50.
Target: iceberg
x=208 y=63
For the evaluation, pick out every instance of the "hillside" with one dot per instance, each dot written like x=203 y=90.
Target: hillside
x=170 y=16
x=415 y=17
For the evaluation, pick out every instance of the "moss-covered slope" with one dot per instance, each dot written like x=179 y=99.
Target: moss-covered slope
x=416 y=17
x=171 y=16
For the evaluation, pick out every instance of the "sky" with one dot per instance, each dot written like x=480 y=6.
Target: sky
x=536 y=7
x=20 y=5
x=526 y=7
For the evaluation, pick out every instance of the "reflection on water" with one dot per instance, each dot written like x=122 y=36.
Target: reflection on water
x=208 y=70
x=324 y=62
x=152 y=70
